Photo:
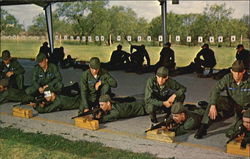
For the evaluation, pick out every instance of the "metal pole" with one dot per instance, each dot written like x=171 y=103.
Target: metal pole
x=163 y=4
x=48 y=15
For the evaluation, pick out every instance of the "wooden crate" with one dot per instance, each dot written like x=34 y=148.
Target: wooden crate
x=161 y=135
x=86 y=123
x=233 y=147
x=22 y=112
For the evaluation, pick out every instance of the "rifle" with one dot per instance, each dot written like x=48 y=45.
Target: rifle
x=95 y=112
x=240 y=131
x=37 y=100
x=166 y=122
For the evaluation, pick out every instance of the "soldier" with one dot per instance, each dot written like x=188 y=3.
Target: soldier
x=56 y=102
x=209 y=60
x=237 y=86
x=12 y=94
x=119 y=58
x=45 y=49
x=114 y=111
x=166 y=58
x=13 y=70
x=93 y=83
x=184 y=119
x=45 y=75
x=161 y=92
x=244 y=55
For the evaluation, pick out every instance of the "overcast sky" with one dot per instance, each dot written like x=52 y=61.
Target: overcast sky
x=147 y=9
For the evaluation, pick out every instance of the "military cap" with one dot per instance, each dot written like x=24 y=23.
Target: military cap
x=4 y=82
x=177 y=108
x=162 y=72
x=246 y=114
x=95 y=63
x=105 y=98
x=239 y=46
x=40 y=57
x=5 y=55
x=168 y=44
x=205 y=45
x=238 y=66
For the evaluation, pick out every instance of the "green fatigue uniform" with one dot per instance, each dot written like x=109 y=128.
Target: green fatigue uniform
x=52 y=77
x=124 y=110
x=60 y=103
x=17 y=79
x=155 y=95
x=14 y=95
x=89 y=95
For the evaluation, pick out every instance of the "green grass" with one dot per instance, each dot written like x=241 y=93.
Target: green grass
x=184 y=54
x=19 y=145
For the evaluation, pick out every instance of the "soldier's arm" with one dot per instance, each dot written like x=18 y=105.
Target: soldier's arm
x=217 y=89
x=148 y=94
x=188 y=126
x=48 y=108
x=172 y=56
x=18 y=68
x=83 y=89
x=112 y=116
x=35 y=78
x=58 y=77
x=147 y=57
x=200 y=53
x=109 y=80
x=180 y=89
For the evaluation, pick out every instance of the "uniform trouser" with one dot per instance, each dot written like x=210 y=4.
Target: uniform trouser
x=17 y=81
x=226 y=108
x=32 y=90
x=199 y=63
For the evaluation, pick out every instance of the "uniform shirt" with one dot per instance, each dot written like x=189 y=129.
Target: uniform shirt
x=14 y=95
x=235 y=129
x=240 y=94
x=208 y=56
x=14 y=66
x=60 y=103
x=124 y=110
x=155 y=95
x=167 y=56
x=51 y=77
x=244 y=55
x=87 y=85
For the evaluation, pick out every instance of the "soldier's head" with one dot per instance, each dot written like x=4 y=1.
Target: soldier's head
x=246 y=119
x=205 y=46
x=6 y=57
x=105 y=102
x=119 y=47
x=240 y=47
x=4 y=84
x=49 y=95
x=178 y=112
x=142 y=46
x=238 y=70
x=94 y=65
x=42 y=60
x=167 y=44
x=162 y=75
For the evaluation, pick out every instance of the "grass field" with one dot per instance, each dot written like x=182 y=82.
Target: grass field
x=19 y=145
x=184 y=54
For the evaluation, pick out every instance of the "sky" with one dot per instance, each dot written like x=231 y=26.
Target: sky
x=147 y=9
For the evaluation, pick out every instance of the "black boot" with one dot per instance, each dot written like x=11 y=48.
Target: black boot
x=202 y=131
x=153 y=118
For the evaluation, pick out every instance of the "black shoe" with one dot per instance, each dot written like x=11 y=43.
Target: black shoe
x=202 y=131
x=154 y=120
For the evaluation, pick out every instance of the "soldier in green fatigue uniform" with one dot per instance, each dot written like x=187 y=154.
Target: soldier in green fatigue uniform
x=45 y=75
x=114 y=111
x=93 y=83
x=161 y=92
x=244 y=124
x=237 y=86
x=56 y=102
x=13 y=70
x=12 y=94
x=185 y=120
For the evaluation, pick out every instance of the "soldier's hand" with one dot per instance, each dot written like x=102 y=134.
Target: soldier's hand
x=97 y=85
x=212 y=112
x=41 y=90
x=85 y=110
x=167 y=104
x=10 y=73
x=46 y=86
x=171 y=99
x=32 y=104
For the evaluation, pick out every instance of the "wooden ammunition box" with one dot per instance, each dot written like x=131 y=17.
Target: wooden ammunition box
x=161 y=135
x=86 y=123
x=22 y=112
x=233 y=147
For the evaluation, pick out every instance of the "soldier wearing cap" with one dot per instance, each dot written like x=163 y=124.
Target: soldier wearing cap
x=167 y=58
x=119 y=59
x=45 y=75
x=209 y=60
x=114 y=111
x=161 y=92
x=237 y=86
x=13 y=70
x=93 y=83
x=186 y=120
x=56 y=102
x=244 y=55
x=8 y=94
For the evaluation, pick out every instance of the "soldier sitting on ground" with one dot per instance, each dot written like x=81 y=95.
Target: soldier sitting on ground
x=161 y=93
x=45 y=75
x=114 y=111
x=45 y=49
x=10 y=68
x=93 y=83
x=237 y=86
x=8 y=94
